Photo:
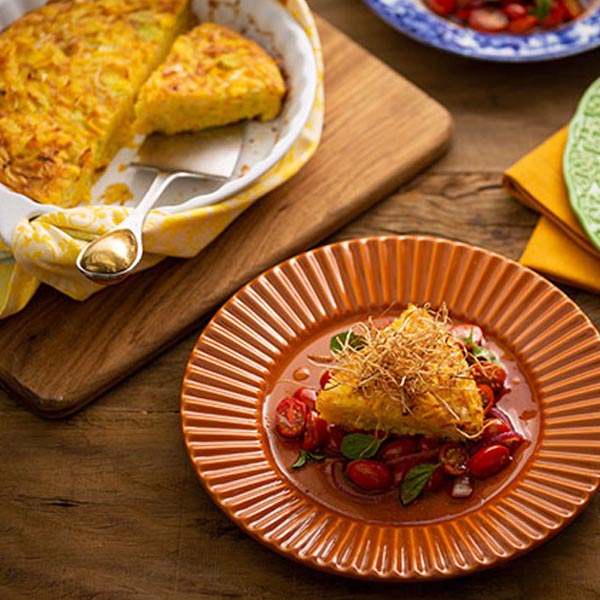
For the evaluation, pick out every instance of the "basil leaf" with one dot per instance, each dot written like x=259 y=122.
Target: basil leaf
x=346 y=338
x=482 y=353
x=542 y=8
x=360 y=445
x=305 y=456
x=301 y=460
x=315 y=457
x=415 y=481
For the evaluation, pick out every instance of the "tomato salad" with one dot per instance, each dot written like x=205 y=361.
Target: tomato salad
x=508 y=16
x=366 y=464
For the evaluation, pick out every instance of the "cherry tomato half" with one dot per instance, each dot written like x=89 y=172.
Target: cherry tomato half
x=290 y=417
x=369 y=474
x=454 y=459
x=490 y=373
x=306 y=395
x=316 y=433
x=489 y=461
x=487 y=397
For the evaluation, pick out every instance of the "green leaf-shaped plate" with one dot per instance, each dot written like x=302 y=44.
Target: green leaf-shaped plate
x=581 y=163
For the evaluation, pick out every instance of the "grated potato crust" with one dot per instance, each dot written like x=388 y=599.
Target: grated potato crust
x=69 y=75
x=212 y=77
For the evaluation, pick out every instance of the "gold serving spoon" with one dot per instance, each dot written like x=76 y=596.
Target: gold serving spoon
x=211 y=154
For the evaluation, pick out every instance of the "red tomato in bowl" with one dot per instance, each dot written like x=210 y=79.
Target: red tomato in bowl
x=442 y=7
x=523 y=25
x=515 y=10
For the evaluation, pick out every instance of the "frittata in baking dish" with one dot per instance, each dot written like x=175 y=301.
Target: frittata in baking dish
x=69 y=75
x=212 y=77
x=410 y=377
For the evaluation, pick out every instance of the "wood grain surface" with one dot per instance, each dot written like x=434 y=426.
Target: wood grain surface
x=105 y=505
x=56 y=365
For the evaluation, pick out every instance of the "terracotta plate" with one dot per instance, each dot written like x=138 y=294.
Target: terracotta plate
x=263 y=333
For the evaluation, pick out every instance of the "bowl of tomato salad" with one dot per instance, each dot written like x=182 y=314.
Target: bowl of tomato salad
x=511 y=16
x=370 y=466
x=497 y=30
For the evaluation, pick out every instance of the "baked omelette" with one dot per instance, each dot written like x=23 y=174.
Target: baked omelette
x=410 y=377
x=212 y=77
x=69 y=75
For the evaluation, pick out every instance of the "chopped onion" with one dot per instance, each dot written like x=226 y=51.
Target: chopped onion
x=500 y=414
x=462 y=487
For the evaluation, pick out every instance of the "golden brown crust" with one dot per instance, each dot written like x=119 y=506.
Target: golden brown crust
x=69 y=73
x=213 y=76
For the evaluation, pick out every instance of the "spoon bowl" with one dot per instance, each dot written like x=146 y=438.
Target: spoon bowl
x=212 y=154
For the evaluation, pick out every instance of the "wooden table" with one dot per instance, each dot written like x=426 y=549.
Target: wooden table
x=105 y=504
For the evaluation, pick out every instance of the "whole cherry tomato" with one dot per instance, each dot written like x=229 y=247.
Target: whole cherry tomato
x=494 y=427
x=454 y=459
x=369 y=474
x=402 y=465
x=488 y=20
x=514 y=11
x=442 y=7
x=306 y=395
x=400 y=446
x=487 y=396
x=325 y=378
x=439 y=478
x=290 y=417
x=315 y=434
x=426 y=443
x=335 y=435
x=489 y=460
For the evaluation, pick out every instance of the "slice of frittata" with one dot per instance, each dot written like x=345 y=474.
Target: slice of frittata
x=410 y=377
x=69 y=75
x=212 y=77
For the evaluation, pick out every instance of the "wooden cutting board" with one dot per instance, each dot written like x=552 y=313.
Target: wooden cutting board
x=380 y=130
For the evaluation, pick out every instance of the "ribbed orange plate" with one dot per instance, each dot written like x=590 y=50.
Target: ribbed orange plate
x=246 y=346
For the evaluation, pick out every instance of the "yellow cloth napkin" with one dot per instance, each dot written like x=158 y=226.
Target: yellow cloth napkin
x=45 y=249
x=558 y=247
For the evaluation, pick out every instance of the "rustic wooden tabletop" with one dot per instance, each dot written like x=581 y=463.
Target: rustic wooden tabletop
x=105 y=504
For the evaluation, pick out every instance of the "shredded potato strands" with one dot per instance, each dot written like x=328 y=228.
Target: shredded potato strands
x=402 y=363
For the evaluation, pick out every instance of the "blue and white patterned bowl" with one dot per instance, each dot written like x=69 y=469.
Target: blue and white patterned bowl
x=414 y=19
